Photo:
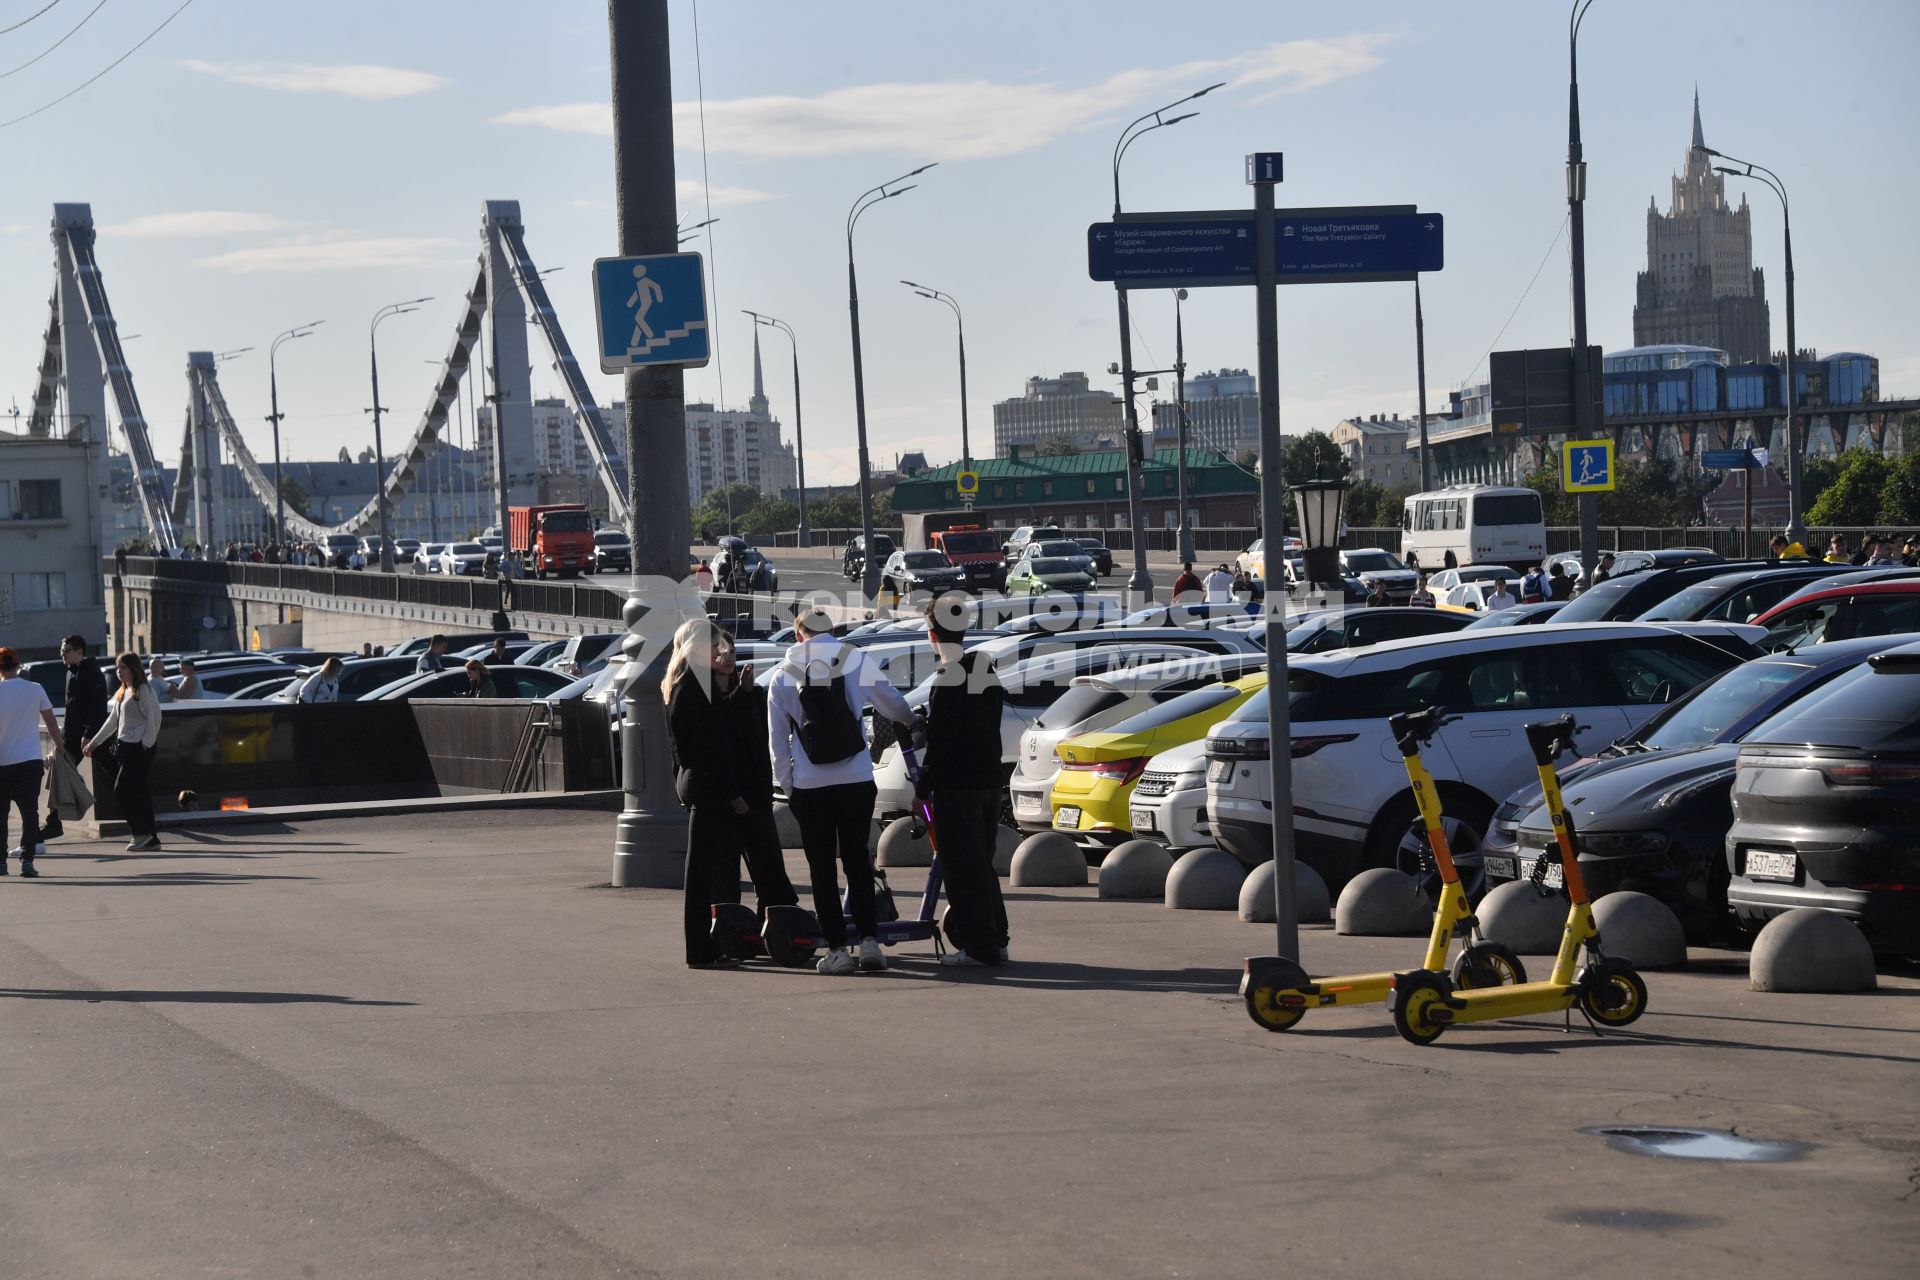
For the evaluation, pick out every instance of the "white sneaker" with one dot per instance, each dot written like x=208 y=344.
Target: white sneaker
x=38 y=849
x=836 y=961
x=960 y=960
x=872 y=959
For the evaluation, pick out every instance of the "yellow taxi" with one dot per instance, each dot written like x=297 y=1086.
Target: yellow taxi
x=1098 y=771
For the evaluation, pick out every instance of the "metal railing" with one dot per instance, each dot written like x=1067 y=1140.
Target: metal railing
x=555 y=599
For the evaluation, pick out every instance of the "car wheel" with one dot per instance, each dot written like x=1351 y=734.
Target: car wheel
x=1461 y=821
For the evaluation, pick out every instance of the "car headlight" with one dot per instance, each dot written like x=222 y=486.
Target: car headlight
x=1688 y=790
x=1612 y=844
x=1189 y=782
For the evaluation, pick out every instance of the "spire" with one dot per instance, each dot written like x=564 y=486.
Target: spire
x=1699 y=138
x=758 y=405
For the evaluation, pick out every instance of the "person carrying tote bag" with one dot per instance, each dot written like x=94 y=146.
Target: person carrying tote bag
x=133 y=727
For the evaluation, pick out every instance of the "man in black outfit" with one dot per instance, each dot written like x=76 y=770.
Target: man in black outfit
x=964 y=779
x=86 y=711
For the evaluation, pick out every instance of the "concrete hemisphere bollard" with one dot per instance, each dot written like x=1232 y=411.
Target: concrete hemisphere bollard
x=901 y=846
x=1640 y=928
x=1205 y=879
x=1312 y=904
x=1136 y=869
x=1808 y=949
x=1005 y=840
x=786 y=826
x=1522 y=918
x=1048 y=859
x=1383 y=903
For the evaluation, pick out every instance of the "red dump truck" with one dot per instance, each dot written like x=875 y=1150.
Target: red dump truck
x=556 y=538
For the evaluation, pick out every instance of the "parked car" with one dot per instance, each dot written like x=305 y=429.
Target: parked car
x=414 y=646
x=405 y=549
x=739 y=567
x=853 y=561
x=1447 y=579
x=1195 y=613
x=1734 y=597
x=430 y=553
x=464 y=559
x=1092 y=796
x=358 y=677
x=1630 y=562
x=1354 y=808
x=1653 y=808
x=612 y=552
x=1826 y=807
x=1253 y=560
x=223 y=683
x=509 y=681
x=1372 y=565
x=1058 y=565
x=1170 y=800
x=1358 y=628
x=1523 y=615
x=542 y=652
x=1624 y=598
x=930 y=572
x=262 y=690
x=1099 y=553
x=514 y=649
x=1094 y=702
x=1884 y=608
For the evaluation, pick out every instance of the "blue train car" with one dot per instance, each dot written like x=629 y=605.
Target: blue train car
x=1752 y=387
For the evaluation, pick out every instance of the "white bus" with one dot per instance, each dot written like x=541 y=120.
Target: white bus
x=1473 y=524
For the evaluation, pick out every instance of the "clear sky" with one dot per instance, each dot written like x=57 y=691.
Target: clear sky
x=259 y=164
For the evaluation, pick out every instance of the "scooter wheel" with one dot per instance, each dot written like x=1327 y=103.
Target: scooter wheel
x=1488 y=964
x=791 y=935
x=1263 y=988
x=1615 y=996
x=1414 y=995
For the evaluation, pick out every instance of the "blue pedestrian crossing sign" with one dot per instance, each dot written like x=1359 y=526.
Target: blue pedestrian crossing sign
x=1586 y=466
x=651 y=310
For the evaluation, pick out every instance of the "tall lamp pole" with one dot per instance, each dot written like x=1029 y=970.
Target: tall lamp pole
x=1140 y=583
x=1420 y=372
x=1577 y=240
x=273 y=392
x=1180 y=406
x=925 y=291
x=870 y=577
x=379 y=451
x=799 y=439
x=1796 y=532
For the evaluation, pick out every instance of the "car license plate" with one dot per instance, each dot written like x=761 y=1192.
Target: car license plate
x=1762 y=865
x=1026 y=804
x=1219 y=770
x=1502 y=868
x=1553 y=879
x=1067 y=818
x=1142 y=820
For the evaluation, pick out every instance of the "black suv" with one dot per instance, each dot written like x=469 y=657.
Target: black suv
x=1625 y=599
x=853 y=562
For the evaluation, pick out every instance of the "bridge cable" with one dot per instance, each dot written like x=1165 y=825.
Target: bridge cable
x=1516 y=306
x=29 y=18
x=7 y=124
x=713 y=258
x=57 y=43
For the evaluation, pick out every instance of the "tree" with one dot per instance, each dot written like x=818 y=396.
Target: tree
x=713 y=512
x=771 y=515
x=1305 y=457
x=1854 y=495
x=294 y=496
x=1058 y=447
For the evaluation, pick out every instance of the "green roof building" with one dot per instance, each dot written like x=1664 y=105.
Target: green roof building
x=1089 y=491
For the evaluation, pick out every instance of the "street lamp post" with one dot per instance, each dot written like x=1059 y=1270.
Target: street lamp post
x=1180 y=406
x=273 y=393
x=1140 y=583
x=1796 y=532
x=870 y=576
x=960 y=325
x=799 y=439
x=1577 y=241
x=379 y=452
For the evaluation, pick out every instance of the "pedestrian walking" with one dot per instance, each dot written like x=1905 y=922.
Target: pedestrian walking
x=821 y=762
x=1187 y=588
x=1421 y=597
x=24 y=707
x=1532 y=585
x=1604 y=569
x=434 y=659
x=1377 y=597
x=964 y=785
x=324 y=684
x=723 y=774
x=132 y=727
x=84 y=713
x=1559 y=586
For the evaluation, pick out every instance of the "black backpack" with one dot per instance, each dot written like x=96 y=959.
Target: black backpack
x=829 y=731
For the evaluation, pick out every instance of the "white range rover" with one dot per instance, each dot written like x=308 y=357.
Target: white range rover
x=1352 y=807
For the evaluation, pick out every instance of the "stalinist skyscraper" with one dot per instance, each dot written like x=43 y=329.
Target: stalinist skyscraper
x=1700 y=285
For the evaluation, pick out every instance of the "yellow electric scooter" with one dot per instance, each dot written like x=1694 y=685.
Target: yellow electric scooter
x=1278 y=991
x=1606 y=989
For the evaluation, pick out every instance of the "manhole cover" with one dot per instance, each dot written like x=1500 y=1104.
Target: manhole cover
x=1695 y=1144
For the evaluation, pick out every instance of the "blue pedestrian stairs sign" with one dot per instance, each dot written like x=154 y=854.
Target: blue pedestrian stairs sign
x=1586 y=466
x=651 y=310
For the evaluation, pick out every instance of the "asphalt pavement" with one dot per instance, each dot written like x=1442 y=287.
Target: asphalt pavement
x=438 y=1045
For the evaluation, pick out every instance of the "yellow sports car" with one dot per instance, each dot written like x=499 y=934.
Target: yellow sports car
x=1098 y=771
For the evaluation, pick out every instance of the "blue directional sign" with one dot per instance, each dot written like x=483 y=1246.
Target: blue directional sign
x=1586 y=466
x=1314 y=246
x=651 y=310
x=1725 y=459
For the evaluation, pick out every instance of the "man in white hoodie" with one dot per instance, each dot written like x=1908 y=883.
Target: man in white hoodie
x=820 y=760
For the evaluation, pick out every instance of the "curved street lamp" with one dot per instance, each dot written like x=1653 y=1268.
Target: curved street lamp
x=379 y=454
x=1759 y=173
x=870 y=578
x=273 y=392
x=927 y=291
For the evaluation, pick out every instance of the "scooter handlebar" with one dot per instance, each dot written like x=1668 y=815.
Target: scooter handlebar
x=1549 y=738
x=1412 y=728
